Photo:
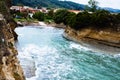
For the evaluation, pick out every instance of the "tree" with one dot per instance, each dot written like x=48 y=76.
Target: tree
x=101 y=18
x=50 y=14
x=63 y=16
x=39 y=15
x=93 y=5
x=81 y=20
x=68 y=18
x=59 y=16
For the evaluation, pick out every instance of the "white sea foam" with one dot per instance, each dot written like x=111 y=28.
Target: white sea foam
x=48 y=64
x=117 y=55
x=32 y=78
x=78 y=46
x=42 y=23
x=31 y=56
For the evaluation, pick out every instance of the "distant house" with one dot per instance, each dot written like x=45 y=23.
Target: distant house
x=75 y=11
x=30 y=15
x=28 y=9
x=17 y=8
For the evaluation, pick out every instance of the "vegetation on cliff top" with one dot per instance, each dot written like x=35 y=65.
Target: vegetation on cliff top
x=100 y=19
x=97 y=18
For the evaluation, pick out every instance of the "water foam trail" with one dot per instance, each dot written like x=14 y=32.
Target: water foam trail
x=78 y=46
x=48 y=64
x=117 y=55
x=40 y=55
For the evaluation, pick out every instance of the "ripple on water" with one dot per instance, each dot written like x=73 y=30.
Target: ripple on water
x=51 y=57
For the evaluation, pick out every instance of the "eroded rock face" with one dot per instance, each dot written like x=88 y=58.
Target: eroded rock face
x=4 y=9
x=107 y=37
x=10 y=68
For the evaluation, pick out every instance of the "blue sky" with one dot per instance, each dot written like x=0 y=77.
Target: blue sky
x=102 y=3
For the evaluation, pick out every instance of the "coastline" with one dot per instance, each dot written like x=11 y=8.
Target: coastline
x=40 y=23
x=37 y=23
x=93 y=44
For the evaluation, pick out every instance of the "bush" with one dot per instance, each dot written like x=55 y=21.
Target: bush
x=39 y=16
x=50 y=14
x=100 y=19
x=68 y=18
x=81 y=20
x=63 y=16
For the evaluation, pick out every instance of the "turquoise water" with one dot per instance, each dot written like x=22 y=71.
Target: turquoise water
x=45 y=55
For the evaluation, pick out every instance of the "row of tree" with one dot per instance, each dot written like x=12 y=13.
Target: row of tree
x=44 y=16
x=92 y=16
x=99 y=19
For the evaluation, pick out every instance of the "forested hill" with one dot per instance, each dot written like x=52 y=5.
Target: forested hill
x=50 y=3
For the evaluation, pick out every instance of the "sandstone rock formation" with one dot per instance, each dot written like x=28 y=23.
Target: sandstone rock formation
x=105 y=36
x=10 y=68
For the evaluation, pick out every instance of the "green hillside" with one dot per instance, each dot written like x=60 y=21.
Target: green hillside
x=50 y=4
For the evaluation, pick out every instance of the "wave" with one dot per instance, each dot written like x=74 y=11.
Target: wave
x=30 y=56
x=78 y=46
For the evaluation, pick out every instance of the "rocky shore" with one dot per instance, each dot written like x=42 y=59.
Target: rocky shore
x=37 y=23
x=40 y=23
x=57 y=25
x=10 y=68
x=103 y=40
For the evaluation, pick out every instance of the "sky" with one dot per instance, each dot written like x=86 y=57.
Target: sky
x=102 y=3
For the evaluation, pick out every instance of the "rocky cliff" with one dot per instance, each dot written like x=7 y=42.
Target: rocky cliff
x=10 y=68
x=4 y=9
x=91 y=36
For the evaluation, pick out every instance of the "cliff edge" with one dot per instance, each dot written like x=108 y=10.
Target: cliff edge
x=10 y=68
x=105 y=39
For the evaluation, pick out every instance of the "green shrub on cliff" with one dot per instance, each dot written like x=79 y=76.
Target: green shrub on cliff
x=118 y=18
x=104 y=19
x=59 y=16
x=81 y=20
x=63 y=16
x=50 y=14
x=100 y=19
x=68 y=18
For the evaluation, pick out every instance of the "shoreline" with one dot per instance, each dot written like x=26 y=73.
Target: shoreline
x=40 y=23
x=94 y=45
x=26 y=23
